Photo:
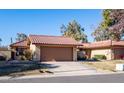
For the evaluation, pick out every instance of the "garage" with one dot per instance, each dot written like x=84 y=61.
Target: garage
x=53 y=48
x=56 y=53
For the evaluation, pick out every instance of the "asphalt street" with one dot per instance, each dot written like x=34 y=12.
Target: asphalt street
x=108 y=78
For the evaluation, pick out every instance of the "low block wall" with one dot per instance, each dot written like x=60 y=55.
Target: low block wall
x=7 y=54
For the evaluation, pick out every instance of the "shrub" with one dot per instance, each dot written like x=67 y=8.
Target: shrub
x=95 y=59
x=2 y=58
x=84 y=57
x=99 y=57
x=28 y=54
x=21 y=58
x=18 y=57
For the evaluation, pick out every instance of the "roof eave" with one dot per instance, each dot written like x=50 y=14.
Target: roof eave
x=55 y=44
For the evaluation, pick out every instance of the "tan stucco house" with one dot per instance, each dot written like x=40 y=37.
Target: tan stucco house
x=48 y=48
x=59 y=48
x=111 y=49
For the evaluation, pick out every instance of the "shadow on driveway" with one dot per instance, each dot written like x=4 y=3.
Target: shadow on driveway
x=15 y=67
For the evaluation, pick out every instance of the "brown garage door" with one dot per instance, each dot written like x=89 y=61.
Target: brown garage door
x=56 y=53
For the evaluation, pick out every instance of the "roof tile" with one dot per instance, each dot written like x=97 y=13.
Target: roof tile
x=102 y=44
x=23 y=43
x=57 y=40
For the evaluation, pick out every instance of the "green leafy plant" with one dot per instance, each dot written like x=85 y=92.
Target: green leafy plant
x=99 y=57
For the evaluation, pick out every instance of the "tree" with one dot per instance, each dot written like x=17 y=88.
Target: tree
x=100 y=34
x=107 y=21
x=117 y=27
x=74 y=30
x=112 y=25
x=21 y=36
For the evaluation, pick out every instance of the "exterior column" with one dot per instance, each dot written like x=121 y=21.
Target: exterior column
x=112 y=54
x=74 y=54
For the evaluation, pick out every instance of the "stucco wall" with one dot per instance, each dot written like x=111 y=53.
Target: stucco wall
x=74 y=54
x=35 y=51
x=106 y=52
x=7 y=54
x=32 y=48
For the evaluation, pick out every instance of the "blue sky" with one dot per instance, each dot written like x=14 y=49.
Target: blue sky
x=46 y=22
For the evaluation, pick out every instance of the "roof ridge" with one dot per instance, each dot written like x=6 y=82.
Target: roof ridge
x=49 y=36
x=19 y=41
x=118 y=41
x=100 y=41
x=52 y=39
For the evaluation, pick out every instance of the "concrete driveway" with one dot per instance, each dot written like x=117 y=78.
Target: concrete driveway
x=62 y=69
x=71 y=69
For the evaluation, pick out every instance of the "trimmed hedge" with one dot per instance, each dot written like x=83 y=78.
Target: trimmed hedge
x=99 y=57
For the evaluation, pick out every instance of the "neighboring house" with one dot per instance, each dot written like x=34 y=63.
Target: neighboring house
x=4 y=51
x=111 y=49
x=48 y=48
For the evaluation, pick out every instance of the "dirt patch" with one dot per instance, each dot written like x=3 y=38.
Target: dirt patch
x=105 y=65
x=29 y=73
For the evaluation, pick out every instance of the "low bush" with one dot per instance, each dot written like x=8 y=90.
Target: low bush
x=21 y=58
x=99 y=57
x=84 y=57
x=28 y=54
x=2 y=57
x=81 y=55
x=94 y=59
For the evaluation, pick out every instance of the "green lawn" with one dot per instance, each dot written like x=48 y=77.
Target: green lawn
x=104 y=65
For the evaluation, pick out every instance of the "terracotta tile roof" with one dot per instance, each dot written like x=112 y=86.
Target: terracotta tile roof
x=23 y=43
x=55 y=40
x=118 y=43
x=102 y=44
